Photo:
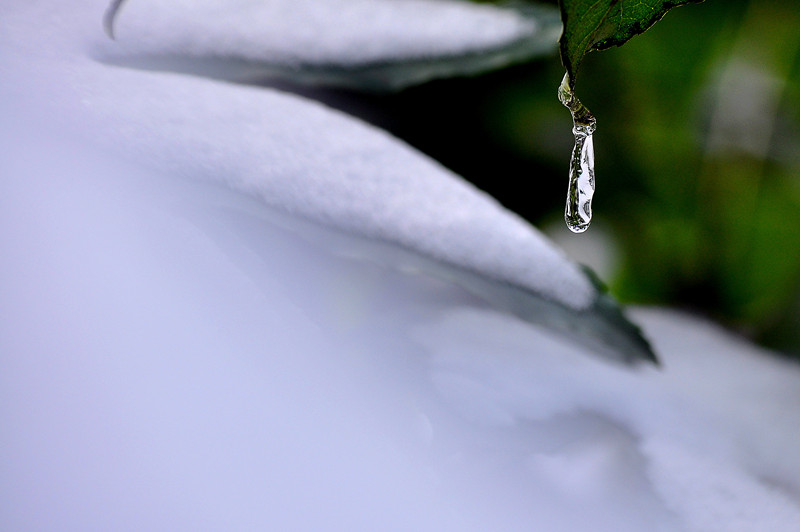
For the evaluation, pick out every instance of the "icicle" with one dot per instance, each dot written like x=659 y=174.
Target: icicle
x=578 y=212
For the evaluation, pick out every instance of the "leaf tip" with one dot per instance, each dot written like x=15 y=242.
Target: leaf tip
x=110 y=16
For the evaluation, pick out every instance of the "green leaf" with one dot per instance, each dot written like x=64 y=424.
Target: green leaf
x=600 y=24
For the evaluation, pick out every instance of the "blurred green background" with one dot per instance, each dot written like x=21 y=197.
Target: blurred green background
x=697 y=150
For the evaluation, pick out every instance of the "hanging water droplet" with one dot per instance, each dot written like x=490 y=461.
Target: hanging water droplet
x=578 y=212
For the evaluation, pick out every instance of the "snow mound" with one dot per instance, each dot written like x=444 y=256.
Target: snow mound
x=174 y=355
x=709 y=438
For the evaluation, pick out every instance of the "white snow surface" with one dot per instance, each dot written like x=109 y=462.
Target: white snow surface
x=296 y=154
x=182 y=354
x=321 y=32
x=174 y=355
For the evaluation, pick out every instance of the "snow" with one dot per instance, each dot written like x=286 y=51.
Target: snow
x=179 y=350
x=296 y=154
x=317 y=31
x=362 y=44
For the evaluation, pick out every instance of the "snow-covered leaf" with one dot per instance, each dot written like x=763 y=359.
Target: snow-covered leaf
x=363 y=44
x=303 y=158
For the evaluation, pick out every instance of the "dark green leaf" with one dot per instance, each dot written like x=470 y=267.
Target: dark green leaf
x=600 y=24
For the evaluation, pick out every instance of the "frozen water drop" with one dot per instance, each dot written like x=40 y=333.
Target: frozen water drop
x=578 y=211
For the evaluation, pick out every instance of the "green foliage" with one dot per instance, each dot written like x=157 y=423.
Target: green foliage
x=600 y=24
x=702 y=187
